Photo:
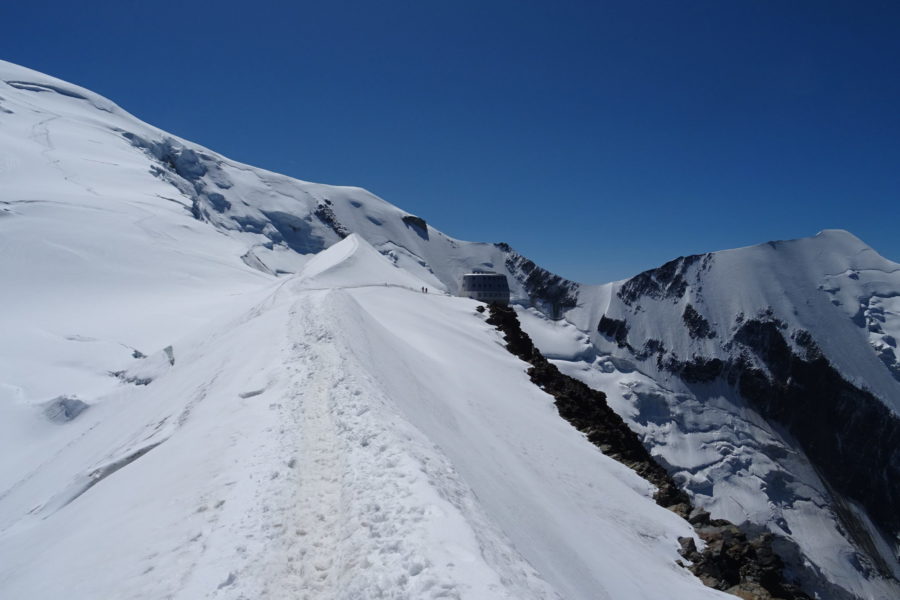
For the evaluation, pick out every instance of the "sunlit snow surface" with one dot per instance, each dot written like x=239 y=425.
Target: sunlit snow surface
x=245 y=406
x=730 y=460
x=176 y=421
x=358 y=441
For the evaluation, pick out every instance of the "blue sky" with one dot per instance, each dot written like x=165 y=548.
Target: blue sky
x=598 y=138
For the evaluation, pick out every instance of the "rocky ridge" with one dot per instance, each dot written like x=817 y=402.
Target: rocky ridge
x=733 y=560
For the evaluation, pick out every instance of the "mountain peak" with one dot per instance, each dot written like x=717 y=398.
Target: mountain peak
x=354 y=262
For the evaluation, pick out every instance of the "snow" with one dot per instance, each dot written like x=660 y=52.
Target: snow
x=357 y=440
x=815 y=284
x=731 y=461
x=194 y=409
x=354 y=262
x=262 y=402
x=556 y=339
x=533 y=474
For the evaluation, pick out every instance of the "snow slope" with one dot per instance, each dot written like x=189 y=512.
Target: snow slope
x=62 y=141
x=356 y=441
x=225 y=382
x=92 y=201
x=830 y=295
x=220 y=382
x=832 y=285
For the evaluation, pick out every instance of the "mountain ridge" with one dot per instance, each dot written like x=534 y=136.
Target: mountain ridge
x=152 y=240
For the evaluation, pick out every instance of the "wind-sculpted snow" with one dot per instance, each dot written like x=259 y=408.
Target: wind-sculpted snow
x=357 y=441
x=355 y=263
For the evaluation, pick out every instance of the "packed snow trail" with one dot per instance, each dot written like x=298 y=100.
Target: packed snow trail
x=550 y=491
x=376 y=512
x=352 y=502
x=321 y=464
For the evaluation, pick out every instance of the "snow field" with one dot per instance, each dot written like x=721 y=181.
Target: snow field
x=731 y=462
x=336 y=443
x=337 y=434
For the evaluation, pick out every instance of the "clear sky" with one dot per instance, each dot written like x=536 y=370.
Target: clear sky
x=598 y=138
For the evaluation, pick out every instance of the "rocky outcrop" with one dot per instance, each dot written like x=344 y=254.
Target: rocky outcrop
x=586 y=409
x=417 y=224
x=669 y=281
x=744 y=566
x=615 y=329
x=326 y=214
x=697 y=325
x=414 y=221
x=849 y=435
x=698 y=369
x=551 y=294
x=731 y=560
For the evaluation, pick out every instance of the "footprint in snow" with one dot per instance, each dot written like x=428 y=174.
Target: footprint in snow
x=229 y=581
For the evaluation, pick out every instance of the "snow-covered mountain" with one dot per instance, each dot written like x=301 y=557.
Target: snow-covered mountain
x=217 y=381
x=766 y=379
x=183 y=418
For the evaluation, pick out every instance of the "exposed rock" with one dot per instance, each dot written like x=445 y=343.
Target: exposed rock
x=666 y=282
x=698 y=517
x=697 y=325
x=805 y=340
x=749 y=591
x=417 y=224
x=730 y=560
x=652 y=347
x=325 y=214
x=696 y=370
x=414 y=221
x=682 y=509
x=616 y=329
x=688 y=547
x=586 y=408
x=550 y=293
x=851 y=437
